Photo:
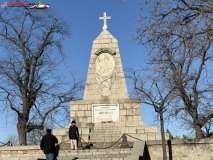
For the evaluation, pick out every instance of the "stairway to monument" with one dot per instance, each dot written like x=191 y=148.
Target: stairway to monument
x=105 y=132
x=95 y=154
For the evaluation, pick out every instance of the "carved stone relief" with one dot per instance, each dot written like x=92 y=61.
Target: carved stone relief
x=105 y=72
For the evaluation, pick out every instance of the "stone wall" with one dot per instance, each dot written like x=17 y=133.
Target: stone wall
x=118 y=88
x=196 y=149
x=34 y=152
x=129 y=120
x=129 y=110
x=20 y=153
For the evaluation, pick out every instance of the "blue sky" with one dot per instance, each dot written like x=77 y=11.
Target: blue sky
x=83 y=16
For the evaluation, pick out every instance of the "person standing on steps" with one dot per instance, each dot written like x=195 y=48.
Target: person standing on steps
x=73 y=135
x=47 y=145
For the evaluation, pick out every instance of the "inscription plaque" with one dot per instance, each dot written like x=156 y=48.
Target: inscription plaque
x=105 y=112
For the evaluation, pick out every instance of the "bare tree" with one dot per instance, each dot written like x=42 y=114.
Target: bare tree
x=208 y=129
x=178 y=35
x=188 y=124
x=150 y=90
x=13 y=138
x=34 y=81
x=34 y=137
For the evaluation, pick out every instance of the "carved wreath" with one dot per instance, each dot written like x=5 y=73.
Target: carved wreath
x=105 y=72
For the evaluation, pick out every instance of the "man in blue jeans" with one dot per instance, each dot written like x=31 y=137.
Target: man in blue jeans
x=48 y=145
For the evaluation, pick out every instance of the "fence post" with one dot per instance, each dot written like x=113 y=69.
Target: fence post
x=79 y=143
x=124 y=143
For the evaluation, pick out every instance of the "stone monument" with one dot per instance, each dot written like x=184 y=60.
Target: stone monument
x=106 y=111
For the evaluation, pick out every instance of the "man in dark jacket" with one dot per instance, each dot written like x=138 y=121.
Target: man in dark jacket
x=48 y=145
x=73 y=135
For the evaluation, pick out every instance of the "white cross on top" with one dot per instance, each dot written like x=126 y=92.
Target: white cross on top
x=105 y=18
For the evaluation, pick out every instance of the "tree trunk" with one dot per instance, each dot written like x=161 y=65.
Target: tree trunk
x=22 y=132
x=199 y=133
x=163 y=136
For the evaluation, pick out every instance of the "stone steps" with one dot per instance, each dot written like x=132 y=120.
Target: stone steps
x=107 y=124
x=104 y=130
x=95 y=154
x=97 y=139
x=93 y=159
x=105 y=138
x=101 y=140
x=89 y=157
x=108 y=132
x=107 y=127
x=105 y=135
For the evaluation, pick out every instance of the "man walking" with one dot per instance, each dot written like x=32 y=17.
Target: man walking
x=73 y=135
x=48 y=145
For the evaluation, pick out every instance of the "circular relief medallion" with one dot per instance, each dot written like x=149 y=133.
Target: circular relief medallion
x=105 y=64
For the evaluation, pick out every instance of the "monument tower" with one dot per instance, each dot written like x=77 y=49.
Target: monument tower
x=106 y=111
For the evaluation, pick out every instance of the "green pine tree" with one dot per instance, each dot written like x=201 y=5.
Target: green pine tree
x=185 y=137
x=170 y=135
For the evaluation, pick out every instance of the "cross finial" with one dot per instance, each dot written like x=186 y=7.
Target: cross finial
x=105 y=18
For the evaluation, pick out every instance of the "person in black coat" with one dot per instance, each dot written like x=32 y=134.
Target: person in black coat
x=73 y=135
x=47 y=145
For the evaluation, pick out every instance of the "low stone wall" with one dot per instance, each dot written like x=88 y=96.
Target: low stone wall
x=20 y=152
x=196 y=149
x=34 y=152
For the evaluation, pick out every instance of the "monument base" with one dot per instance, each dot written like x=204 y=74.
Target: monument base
x=91 y=129
x=111 y=132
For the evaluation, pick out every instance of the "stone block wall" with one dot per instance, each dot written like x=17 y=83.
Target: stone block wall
x=20 y=153
x=129 y=120
x=196 y=149
x=81 y=111
x=129 y=110
x=34 y=152
x=118 y=89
